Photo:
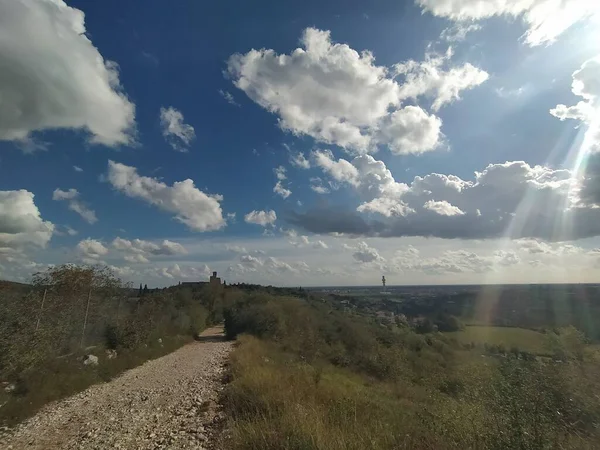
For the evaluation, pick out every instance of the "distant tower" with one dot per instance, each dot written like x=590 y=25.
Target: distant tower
x=383 y=281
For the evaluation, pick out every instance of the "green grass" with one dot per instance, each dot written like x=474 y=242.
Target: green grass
x=527 y=340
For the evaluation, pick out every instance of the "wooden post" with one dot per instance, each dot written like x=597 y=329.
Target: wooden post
x=37 y=325
x=87 y=308
x=118 y=310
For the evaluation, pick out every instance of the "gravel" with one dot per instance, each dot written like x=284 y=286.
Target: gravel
x=167 y=403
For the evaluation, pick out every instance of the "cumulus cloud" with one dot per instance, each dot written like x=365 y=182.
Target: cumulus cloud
x=325 y=90
x=365 y=254
x=443 y=208
x=139 y=250
x=511 y=199
x=370 y=177
x=21 y=224
x=262 y=218
x=92 y=249
x=586 y=84
x=430 y=78
x=53 y=76
x=77 y=169
x=545 y=19
x=269 y=265
x=178 y=134
x=280 y=190
x=191 y=206
x=72 y=197
x=320 y=245
x=451 y=261
x=339 y=96
x=411 y=130
x=340 y=170
x=300 y=161
x=177 y=272
x=280 y=173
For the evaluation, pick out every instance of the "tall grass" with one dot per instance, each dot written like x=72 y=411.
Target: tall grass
x=308 y=377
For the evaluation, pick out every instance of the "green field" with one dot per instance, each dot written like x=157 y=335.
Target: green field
x=528 y=340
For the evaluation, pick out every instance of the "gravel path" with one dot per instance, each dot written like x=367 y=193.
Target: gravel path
x=167 y=403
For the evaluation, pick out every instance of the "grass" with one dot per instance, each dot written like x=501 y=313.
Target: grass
x=509 y=337
x=305 y=377
x=62 y=377
x=278 y=402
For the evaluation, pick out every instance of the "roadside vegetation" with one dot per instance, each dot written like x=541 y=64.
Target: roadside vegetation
x=48 y=328
x=307 y=375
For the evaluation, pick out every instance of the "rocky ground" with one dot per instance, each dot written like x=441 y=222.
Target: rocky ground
x=167 y=403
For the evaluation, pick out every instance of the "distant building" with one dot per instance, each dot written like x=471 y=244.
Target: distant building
x=214 y=279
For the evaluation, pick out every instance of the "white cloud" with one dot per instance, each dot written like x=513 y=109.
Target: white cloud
x=458 y=32
x=177 y=272
x=431 y=79
x=452 y=262
x=70 y=231
x=178 y=134
x=511 y=199
x=411 y=130
x=365 y=254
x=91 y=249
x=325 y=90
x=228 y=97
x=338 y=96
x=21 y=224
x=340 y=170
x=235 y=248
x=318 y=188
x=442 y=208
x=72 y=197
x=280 y=173
x=320 y=245
x=370 y=177
x=53 y=76
x=586 y=84
x=148 y=248
x=545 y=19
x=280 y=190
x=191 y=206
x=298 y=160
x=136 y=258
x=77 y=169
x=262 y=218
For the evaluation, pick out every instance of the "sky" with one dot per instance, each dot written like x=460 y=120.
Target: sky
x=302 y=143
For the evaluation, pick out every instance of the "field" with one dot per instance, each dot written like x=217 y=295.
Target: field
x=509 y=337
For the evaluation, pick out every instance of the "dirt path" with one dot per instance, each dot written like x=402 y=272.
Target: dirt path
x=167 y=403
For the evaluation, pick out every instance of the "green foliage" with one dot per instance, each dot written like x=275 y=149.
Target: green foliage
x=70 y=308
x=313 y=377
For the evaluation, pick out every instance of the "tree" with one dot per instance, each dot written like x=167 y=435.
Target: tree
x=140 y=291
x=145 y=289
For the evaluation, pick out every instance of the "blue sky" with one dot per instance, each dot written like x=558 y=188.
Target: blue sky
x=323 y=143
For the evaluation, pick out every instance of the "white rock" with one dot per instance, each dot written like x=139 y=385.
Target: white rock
x=90 y=360
x=10 y=387
x=111 y=354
